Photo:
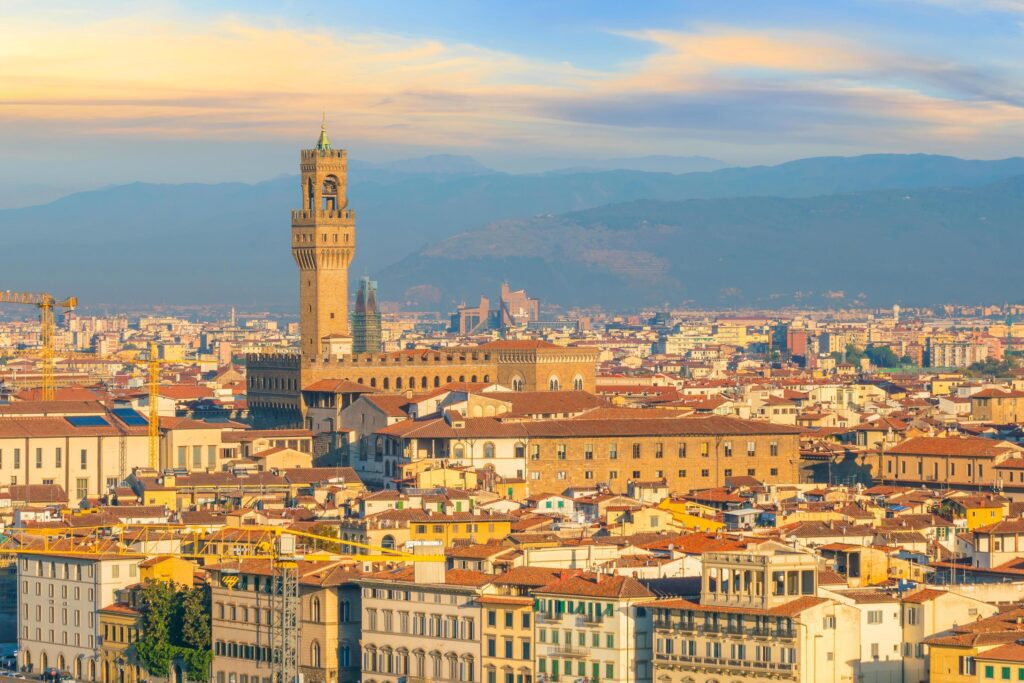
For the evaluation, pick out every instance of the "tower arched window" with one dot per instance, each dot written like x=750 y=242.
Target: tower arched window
x=577 y=383
x=314 y=655
x=553 y=384
x=329 y=193
x=517 y=383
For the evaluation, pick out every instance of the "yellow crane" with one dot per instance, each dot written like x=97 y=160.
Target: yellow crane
x=279 y=546
x=46 y=303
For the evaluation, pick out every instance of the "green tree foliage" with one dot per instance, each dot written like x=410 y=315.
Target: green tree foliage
x=176 y=625
x=992 y=367
x=882 y=356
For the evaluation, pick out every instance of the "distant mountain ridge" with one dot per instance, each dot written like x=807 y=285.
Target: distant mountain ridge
x=920 y=246
x=195 y=243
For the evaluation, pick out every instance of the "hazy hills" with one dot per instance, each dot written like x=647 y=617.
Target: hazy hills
x=909 y=246
x=229 y=242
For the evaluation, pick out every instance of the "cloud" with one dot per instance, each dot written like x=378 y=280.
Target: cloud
x=170 y=76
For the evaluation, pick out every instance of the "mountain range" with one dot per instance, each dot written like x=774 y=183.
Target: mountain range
x=909 y=228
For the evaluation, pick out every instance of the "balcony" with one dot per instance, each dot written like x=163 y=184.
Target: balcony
x=723 y=663
x=546 y=618
x=589 y=620
x=568 y=651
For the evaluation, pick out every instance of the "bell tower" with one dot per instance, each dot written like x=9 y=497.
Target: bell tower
x=323 y=243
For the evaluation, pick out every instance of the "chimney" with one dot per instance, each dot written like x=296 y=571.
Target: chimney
x=429 y=571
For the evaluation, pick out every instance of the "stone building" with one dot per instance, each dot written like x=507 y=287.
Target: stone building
x=60 y=598
x=686 y=453
x=323 y=245
x=758 y=618
x=328 y=647
x=421 y=624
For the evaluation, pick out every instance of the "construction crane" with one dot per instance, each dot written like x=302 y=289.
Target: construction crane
x=279 y=546
x=46 y=303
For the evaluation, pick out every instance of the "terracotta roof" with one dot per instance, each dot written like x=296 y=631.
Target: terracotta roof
x=973 y=446
x=923 y=595
x=597 y=586
x=1011 y=652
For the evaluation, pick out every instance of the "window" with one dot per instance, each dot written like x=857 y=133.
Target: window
x=588 y=451
x=705 y=473
x=39 y=458
x=682 y=449
x=658 y=450
x=728 y=472
x=774 y=471
x=613 y=451
x=81 y=488
x=911 y=616
x=636 y=451
x=535 y=452
x=727 y=447
x=84 y=462
x=17 y=458
x=58 y=458
x=875 y=616
x=751 y=448
x=773 y=448
x=705 y=450
x=682 y=473
x=560 y=451
x=182 y=455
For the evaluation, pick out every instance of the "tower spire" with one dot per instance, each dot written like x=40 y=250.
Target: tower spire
x=324 y=143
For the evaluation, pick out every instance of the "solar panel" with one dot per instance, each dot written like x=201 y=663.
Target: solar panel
x=87 y=421
x=130 y=417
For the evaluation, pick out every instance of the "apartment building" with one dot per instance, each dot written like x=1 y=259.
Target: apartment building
x=508 y=624
x=881 y=633
x=957 y=461
x=927 y=612
x=594 y=626
x=689 y=452
x=758 y=618
x=243 y=615
x=77 y=445
x=59 y=600
x=422 y=623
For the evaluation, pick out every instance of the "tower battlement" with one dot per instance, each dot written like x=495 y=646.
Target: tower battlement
x=311 y=216
x=311 y=154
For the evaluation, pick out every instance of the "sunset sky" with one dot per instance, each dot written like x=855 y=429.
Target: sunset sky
x=184 y=91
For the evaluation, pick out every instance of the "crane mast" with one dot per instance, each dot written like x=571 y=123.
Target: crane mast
x=45 y=303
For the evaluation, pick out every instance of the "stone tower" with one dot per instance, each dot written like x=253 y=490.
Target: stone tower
x=323 y=243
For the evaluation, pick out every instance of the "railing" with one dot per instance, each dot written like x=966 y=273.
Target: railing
x=589 y=619
x=547 y=618
x=723 y=662
x=568 y=651
x=694 y=627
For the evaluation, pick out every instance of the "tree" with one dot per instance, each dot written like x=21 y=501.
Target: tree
x=882 y=356
x=176 y=626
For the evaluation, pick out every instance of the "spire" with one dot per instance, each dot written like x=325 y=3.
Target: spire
x=371 y=297
x=324 y=143
x=361 y=297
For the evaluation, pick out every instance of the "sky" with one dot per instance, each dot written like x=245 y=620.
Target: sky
x=93 y=94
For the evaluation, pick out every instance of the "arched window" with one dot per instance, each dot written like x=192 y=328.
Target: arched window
x=398 y=382
x=517 y=383
x=314 y=615
x=460 y=452
x=423 y=382
x=488 y=450
x=314 y=654
x=577 y=383
x=553 y=384
x=330 y=193
x=473 y=379
x=437 y=381
x=388 y=542
x=387 y=383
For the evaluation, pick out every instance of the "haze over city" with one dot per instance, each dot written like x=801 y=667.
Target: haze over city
x=492 y=342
